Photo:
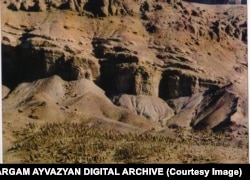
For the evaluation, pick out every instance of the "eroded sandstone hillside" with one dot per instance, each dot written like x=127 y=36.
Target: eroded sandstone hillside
x=219 y=1
x=133 y=65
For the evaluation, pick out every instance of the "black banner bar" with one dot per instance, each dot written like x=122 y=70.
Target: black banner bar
x=163 y=171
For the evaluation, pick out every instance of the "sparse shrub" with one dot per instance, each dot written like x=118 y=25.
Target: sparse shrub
x=79 y=143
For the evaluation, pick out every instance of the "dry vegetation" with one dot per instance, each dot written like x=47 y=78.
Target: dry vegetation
x=80 y=143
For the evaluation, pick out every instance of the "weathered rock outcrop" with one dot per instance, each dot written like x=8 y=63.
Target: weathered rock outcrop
x=97 y=8
x=144 y=52
x=212 y=107
x=219 y=1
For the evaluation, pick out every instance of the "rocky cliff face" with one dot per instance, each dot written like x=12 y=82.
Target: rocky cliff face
x=219 y=1
x=162 y=64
